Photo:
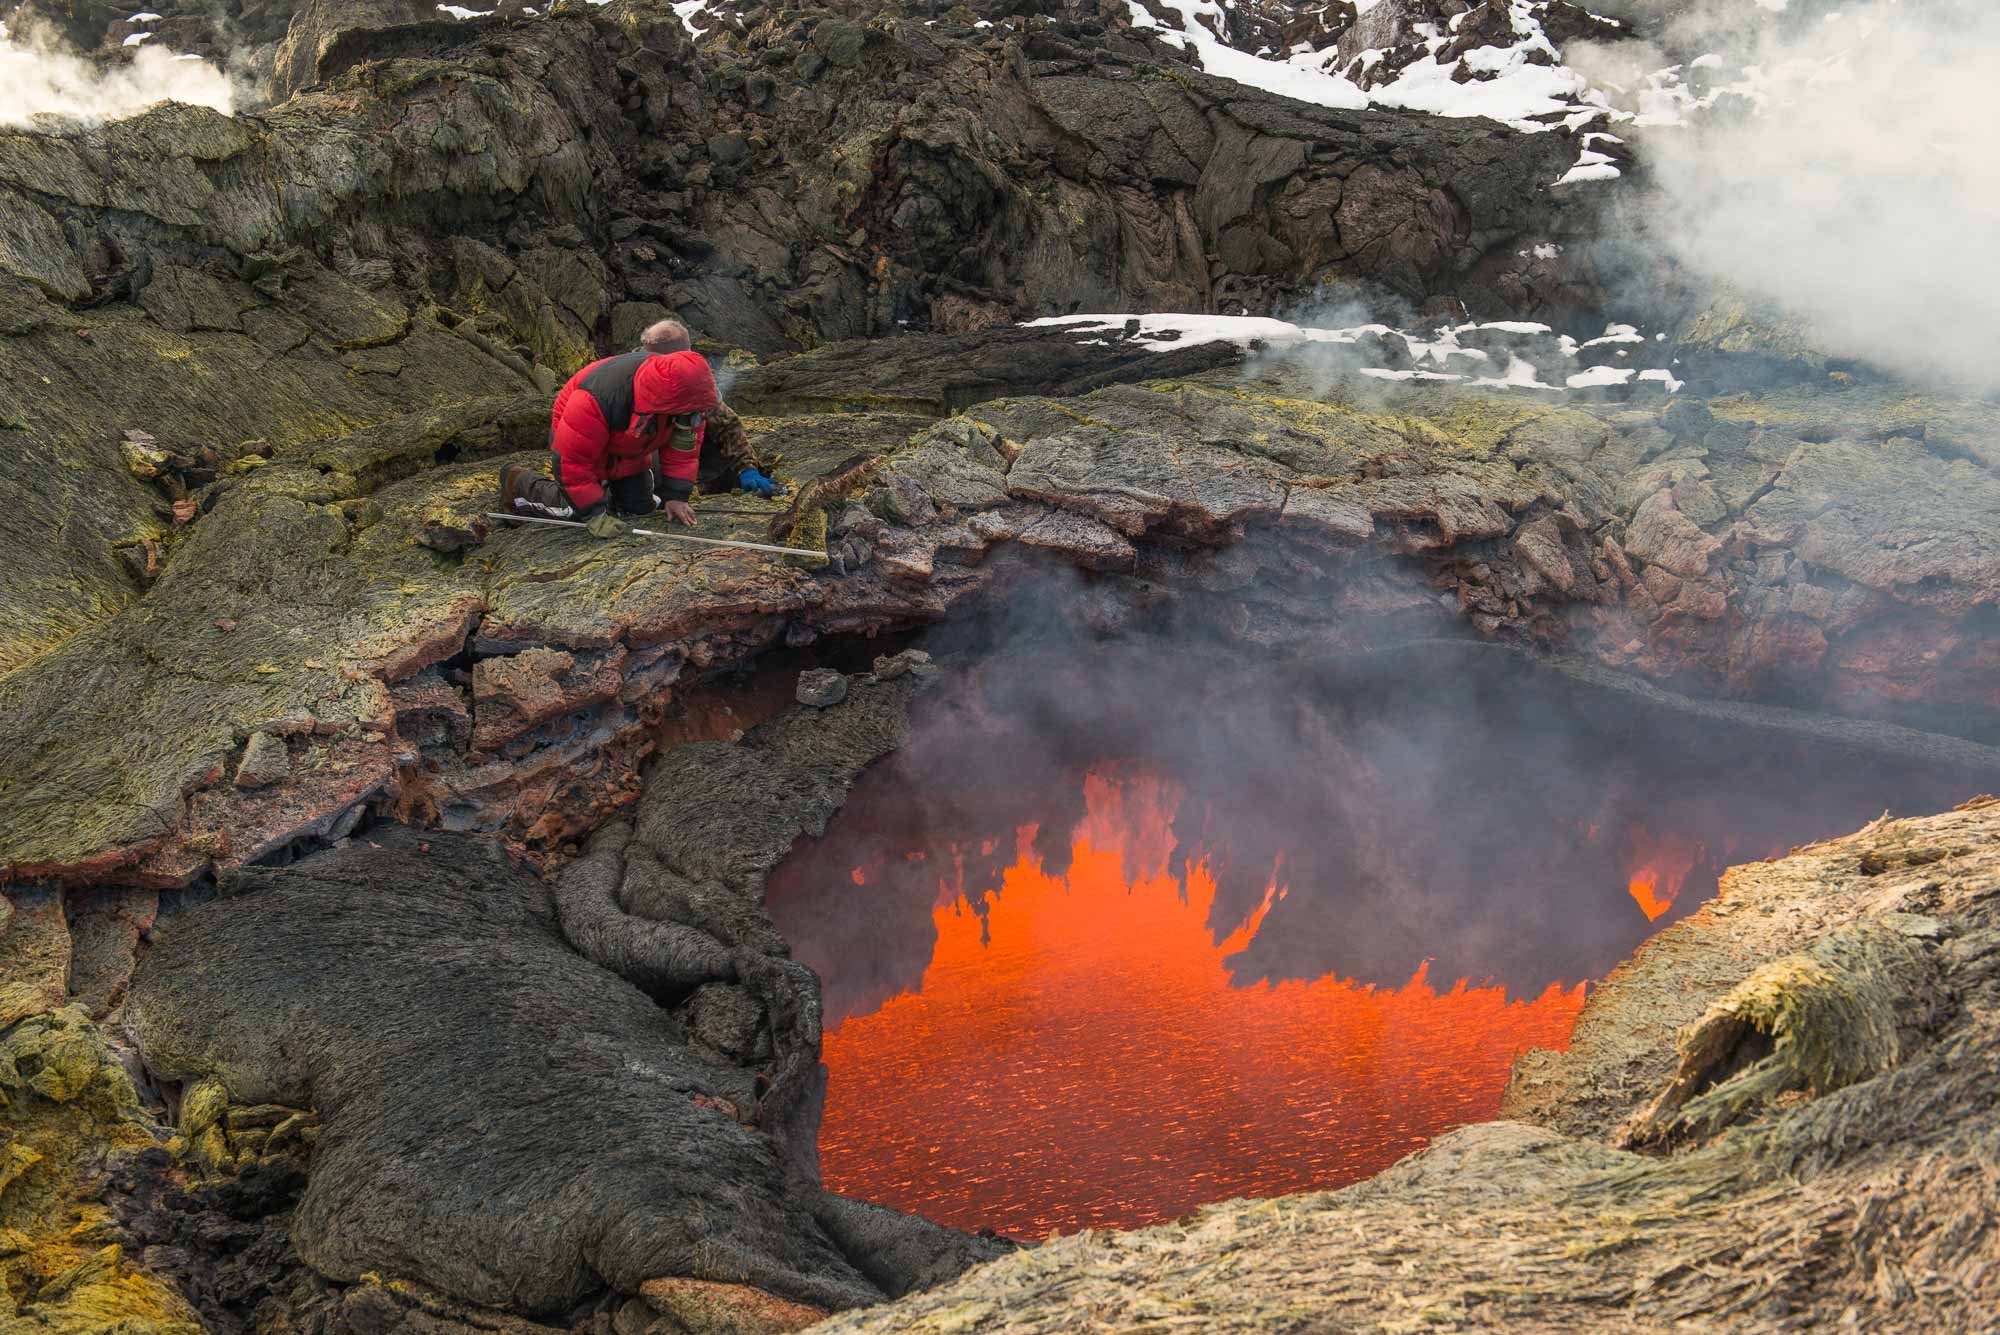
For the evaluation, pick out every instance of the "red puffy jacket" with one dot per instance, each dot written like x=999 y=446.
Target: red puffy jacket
x=613 y=420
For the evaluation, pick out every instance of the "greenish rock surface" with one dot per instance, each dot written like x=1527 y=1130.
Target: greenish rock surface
x=1770 y=559
x=66 y=1103
x=34 y=954
x=432 y=217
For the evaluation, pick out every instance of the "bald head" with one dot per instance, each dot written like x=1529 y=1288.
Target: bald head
x=664 y=337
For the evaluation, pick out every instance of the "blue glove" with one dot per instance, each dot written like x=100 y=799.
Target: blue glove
x=757 y=484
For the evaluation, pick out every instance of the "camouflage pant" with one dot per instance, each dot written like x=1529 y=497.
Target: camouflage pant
x=545 y=497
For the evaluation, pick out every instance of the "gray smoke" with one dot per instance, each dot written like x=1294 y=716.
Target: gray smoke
x=40 y=77
x=1862 y=192
x=1428 y=800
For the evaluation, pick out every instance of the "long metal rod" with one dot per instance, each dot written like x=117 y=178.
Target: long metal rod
x=671 y=537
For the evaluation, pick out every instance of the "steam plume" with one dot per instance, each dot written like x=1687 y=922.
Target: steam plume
x=39 y=77
x=1863 y=193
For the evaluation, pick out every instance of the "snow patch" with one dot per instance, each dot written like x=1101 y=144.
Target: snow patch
x=1163 y=332
x=1589 y=171
x=1301 y=77
x=1518 y=87
x=1432 y=357
x=1520 y=374
x=1617 y=333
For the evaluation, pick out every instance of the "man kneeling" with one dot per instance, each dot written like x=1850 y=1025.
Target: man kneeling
x=636 y=433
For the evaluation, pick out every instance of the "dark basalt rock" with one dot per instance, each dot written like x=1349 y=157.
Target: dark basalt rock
x=945 y=373
x=673 y=898
x=503 y=1120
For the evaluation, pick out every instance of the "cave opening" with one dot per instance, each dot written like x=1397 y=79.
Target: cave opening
x=1134 y=924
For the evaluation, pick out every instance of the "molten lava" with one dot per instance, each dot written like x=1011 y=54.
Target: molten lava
x=1660 y=866
x=1078 y=1054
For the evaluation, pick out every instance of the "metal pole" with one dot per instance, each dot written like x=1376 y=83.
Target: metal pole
x=671 y=537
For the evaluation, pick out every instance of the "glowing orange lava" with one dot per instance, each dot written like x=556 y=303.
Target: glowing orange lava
x=1085 y=1060
x=1661 y=869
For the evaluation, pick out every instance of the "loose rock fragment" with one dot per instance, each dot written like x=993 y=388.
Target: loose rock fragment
x=265 y=761
x=822 y=688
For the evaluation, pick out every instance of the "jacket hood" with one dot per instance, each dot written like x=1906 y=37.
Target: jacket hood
x=675 y=382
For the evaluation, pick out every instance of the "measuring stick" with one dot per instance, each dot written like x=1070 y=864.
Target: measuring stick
x=671 y=537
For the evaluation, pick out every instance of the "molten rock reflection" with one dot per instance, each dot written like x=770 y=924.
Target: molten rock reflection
x=1077 y=1053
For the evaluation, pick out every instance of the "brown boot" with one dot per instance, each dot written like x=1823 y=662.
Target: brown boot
x=514 y=479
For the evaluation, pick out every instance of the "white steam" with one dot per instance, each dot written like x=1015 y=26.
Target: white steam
x=1863 y=192
x=38 y=77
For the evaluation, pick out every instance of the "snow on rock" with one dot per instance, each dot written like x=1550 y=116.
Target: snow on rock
x=1519 y=75
x=1520 y=374
x=1534 y=65
x=1493 y=61
x=1601 y=170
x=1161 y=332
x=1301 y=76
x=1617 y=333
x=1494 y=354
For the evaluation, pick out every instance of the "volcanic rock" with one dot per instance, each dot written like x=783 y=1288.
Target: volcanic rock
x=1023 y=187
x=821 y=688
x=614 y=1170
x=671 y=1159
x=256 y=373
x=724 y=1309
x=728 y=1019
x=266 y=760
x=1579 y=526
x=319 y=25
x=1661 y=534
x=673 y=899
x=35 y=947
x=106 y=931
x=66 y=1105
